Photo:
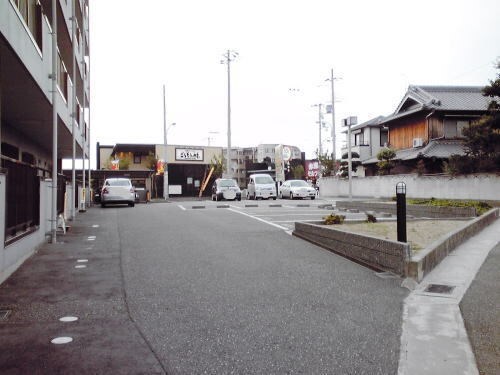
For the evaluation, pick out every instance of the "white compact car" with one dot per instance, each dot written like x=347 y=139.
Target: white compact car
x=118 y=190
x=225 y=188
x=297 y=189
x=261 y=186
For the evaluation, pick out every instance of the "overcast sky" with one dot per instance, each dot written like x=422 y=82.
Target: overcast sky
x=377 y=48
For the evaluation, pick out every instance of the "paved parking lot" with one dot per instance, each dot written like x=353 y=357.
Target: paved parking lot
x=280 y=213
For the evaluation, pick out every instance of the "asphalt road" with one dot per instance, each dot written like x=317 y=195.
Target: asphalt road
x=216 y=291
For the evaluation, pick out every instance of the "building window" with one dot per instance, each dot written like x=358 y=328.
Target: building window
x=10 y=151
x=358 y=139
x=384 y=138
x=28 y=158
x=31 y=13
x=461 y=125
x=137 y=159
x=62 y=77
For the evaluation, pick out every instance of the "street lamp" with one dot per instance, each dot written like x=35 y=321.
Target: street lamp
x=229 y=56
x=349 y=121
x=401 y=210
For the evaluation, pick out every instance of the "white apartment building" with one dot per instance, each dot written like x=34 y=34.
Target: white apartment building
x=27 y=103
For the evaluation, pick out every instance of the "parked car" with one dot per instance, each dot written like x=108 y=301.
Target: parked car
x=297 y=189
x=116 y=191
x=261 y=186
x=225 y=188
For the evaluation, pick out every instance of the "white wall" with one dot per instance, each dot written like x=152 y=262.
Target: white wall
x=476 y=187
x=13 y=255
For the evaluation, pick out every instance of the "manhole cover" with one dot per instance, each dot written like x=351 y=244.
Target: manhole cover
x=61 y=340
x=4 y=314
x=439 y=288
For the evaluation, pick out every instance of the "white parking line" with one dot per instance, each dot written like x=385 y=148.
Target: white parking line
x=181 y=207
x=294 y=221
x=295 y=214
x=237 y=207
x=259 y=219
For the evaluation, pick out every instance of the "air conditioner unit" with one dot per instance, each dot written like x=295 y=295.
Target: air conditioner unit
x=418 y=142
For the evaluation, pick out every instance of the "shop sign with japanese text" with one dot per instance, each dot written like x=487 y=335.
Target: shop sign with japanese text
x=188 y=154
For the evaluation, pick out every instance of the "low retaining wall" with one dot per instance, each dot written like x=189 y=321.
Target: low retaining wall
x=391 y=255
x=375 y=252
x=416 y=210
x=427 y=259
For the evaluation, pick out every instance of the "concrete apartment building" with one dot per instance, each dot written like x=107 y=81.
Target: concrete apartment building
x=29 y=109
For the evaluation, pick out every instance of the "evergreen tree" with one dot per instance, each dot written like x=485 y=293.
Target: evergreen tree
x=482 y=141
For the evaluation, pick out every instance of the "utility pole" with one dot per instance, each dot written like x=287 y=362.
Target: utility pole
x=334 y=148
x=73 y=111
x=165 y=167
x=229 y=56
x=334 y=152
x=320 y=122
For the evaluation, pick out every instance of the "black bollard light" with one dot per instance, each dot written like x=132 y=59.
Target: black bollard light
x=401 y=210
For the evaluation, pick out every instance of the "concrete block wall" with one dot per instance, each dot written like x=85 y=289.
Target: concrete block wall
x=475 y=187
x=426 y=260
x=382 y=254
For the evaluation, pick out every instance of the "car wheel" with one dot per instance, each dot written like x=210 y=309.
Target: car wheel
x=313 y=198
x=132 y=204
x=103 y=205
x=274 y=198
x=291 y=195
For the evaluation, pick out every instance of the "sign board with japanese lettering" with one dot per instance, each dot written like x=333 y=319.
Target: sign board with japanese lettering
x=312 y=169
x=189 y=154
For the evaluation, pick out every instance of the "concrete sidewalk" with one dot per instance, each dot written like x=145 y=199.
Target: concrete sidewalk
x=434 y=338
x=80 y=277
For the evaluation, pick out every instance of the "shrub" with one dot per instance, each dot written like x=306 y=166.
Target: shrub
x=333 y=219
x=371 y=218
x=481 y=207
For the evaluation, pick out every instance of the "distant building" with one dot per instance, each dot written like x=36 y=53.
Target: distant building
x=425 y=129
x=187 y=166
x=266 y=151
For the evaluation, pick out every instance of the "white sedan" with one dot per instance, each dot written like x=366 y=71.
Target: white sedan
x=297 y=189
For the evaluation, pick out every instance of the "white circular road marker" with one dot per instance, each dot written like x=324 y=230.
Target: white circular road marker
x=61 y=340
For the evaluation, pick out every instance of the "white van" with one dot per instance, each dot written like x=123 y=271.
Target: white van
x=261 y=186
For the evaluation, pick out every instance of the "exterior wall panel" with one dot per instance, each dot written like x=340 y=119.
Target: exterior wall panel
x=401 y=135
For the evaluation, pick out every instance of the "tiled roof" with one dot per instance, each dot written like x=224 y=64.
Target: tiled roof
x=456 y=98
x=440 y=149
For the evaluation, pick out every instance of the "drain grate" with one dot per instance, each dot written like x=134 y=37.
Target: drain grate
x=4 y=314
x=439 y=289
